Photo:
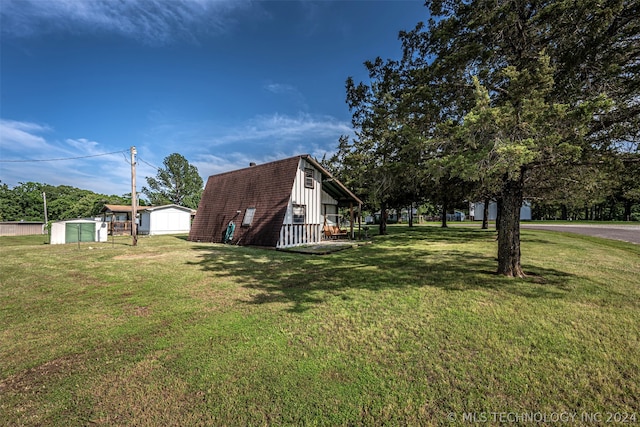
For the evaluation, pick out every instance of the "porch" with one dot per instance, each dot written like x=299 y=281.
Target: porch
x=299 y=234
x=325 y=247
x=119 y=228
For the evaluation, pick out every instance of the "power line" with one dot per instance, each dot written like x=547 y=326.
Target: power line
x=66 y=158
x=144 y=161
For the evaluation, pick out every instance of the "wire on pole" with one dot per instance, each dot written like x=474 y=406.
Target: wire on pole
x=61 y=159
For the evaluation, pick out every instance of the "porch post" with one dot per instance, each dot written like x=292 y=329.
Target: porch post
x=359 y=220
x=351 y=220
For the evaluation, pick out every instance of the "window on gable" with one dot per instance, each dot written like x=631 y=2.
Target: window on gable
x=248 y=217
x=299 y=212
x=308 y=178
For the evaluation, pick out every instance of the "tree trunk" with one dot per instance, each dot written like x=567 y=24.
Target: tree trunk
x=564 y=214
x=498 y=212
x=485 y=214
x=509 y=229
x=444 y=215
x=627 y=210
x=383 y=218
x=411 y=215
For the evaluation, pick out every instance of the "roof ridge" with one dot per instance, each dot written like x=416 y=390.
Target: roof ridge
x=260 y=165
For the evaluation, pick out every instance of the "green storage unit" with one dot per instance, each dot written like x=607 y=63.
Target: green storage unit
x=80 y=231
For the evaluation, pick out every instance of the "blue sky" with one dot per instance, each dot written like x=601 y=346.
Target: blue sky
x=222 y=82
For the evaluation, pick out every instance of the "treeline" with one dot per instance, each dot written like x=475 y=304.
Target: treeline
x=606 y=191
x=25 y=202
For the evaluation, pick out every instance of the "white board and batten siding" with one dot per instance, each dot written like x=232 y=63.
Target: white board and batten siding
x=295 y=234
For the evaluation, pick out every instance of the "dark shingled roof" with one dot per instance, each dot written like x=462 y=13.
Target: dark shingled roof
x=266 y=187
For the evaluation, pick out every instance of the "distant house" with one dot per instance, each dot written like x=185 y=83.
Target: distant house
x=78 y=230
x=476 y=211
x=21 y=228
x=168 y=219
x=279 y=204
x=119 y=218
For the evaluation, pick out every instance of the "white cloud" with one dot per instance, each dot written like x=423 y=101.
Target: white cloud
x=84 y=146
x=18 y=136
x=153 y=21
x=211 y=148
x=21 y=143
x=277 y=128
x=220 y=147
x=211 y=164
x=290 y=92
x=104 y=175
x=268 y=138
x=281 y=88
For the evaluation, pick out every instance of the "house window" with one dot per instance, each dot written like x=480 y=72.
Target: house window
x=308 y=178
x=299 y=212
x=248 y=217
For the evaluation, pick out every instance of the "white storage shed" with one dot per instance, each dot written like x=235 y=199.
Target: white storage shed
x=78 y=230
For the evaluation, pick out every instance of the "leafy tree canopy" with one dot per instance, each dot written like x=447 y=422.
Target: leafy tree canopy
x=178 y=182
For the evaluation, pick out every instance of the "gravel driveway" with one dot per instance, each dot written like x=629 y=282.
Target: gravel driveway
x=626 y=233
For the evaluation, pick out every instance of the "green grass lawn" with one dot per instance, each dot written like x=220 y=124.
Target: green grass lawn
x=414 y=329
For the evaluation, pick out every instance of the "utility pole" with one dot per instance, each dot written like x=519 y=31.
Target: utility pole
x=46 y=218
x=44 y=198
x=134 y=197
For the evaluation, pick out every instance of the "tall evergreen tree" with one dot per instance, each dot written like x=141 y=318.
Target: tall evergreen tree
x=384 y=161
x=524 y=85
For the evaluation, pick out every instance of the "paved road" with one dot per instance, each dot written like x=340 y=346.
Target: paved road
x=626 y=233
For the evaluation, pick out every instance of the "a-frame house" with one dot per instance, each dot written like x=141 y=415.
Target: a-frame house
x=280 y=204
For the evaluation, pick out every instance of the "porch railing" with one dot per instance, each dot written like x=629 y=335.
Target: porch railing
x=299 y=234
x=119 y=228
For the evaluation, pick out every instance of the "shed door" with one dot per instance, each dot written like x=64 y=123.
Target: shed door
x=83 y=232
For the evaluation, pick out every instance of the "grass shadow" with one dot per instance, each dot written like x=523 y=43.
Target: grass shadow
x=403 y=259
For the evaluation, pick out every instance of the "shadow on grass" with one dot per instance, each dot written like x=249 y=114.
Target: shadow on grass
x=402 y=259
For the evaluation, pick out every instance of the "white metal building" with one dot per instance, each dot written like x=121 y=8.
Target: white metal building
x=78 y=230
x=167 y=219
x=477 y=211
